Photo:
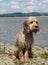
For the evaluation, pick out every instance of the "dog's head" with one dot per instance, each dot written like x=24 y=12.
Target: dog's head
x=31 y=25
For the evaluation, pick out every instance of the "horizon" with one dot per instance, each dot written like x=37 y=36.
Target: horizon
x=26 y=6
x=23 y=12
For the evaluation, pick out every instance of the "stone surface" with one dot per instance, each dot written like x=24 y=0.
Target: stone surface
x=40 y=55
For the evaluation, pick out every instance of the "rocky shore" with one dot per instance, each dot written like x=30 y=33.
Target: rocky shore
x=40 y=55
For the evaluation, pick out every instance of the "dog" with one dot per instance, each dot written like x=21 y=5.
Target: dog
x=24 y=39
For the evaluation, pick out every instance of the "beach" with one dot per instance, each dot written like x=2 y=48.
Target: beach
x=40 y=55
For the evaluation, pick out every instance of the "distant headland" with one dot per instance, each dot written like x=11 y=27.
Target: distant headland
x=19 y=14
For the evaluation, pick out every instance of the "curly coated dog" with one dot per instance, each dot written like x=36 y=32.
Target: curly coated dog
x=24 y=39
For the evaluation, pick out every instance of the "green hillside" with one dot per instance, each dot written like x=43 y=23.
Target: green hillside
x=18 y=14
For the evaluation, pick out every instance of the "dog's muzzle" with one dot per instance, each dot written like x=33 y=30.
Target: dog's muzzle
x=35 y=29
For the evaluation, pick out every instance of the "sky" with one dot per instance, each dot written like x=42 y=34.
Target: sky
x=24 y=6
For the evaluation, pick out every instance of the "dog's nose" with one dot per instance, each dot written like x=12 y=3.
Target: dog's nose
x=36 y=26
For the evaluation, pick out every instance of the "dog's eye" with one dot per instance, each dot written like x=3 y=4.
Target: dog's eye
x=36 y=22
x=31 y=22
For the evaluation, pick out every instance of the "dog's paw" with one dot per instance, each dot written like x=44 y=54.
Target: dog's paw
x=22 y=59
x=27 y=60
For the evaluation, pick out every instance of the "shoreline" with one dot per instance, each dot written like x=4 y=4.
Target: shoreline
x=23 y=16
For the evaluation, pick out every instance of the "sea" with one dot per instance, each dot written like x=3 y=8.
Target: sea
x=9 y=27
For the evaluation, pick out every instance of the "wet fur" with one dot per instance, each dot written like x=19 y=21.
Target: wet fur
x=24 y=39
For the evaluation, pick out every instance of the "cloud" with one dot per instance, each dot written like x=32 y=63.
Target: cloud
x=1 y=0
x=30 y=5
x=2 y=7
x=45 y=1
x=14 y=4
x=23 y=6
x=2 y=10
x=9 y=6
x=28 y=9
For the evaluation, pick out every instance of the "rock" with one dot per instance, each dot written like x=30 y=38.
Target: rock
x=38 y=52
x=46 y=52
x=40 y=55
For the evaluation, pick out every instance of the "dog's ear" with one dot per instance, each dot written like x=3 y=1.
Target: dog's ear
x=26 y=27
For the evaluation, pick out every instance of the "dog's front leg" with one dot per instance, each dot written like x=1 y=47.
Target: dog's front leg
x=26 y=57
x=21 y=56
x=30 y=52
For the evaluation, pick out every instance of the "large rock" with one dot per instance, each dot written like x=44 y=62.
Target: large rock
x=40 y=55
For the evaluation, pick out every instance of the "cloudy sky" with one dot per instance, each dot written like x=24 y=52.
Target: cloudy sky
x=11 y=6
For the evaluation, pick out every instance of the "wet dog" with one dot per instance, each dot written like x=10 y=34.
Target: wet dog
x=24 y=39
